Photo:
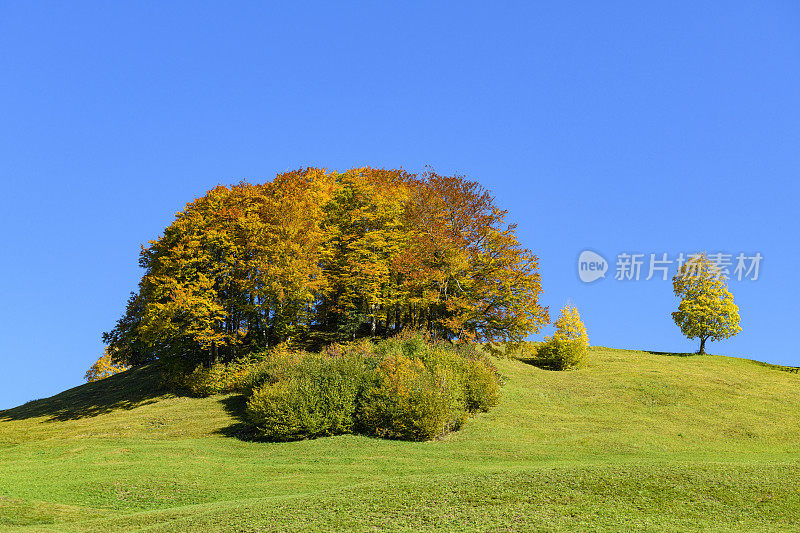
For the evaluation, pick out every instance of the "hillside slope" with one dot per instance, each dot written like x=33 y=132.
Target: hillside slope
x=635 y=441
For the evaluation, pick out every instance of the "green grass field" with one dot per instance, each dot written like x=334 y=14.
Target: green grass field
x=636 y=441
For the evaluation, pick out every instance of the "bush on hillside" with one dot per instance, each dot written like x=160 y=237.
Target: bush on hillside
x=242 y=376
x=270 y=368
x=479 y=379
x=400 y=388
x=556 y=354
x=568 y=348
x=412 y=402
x=481 y=386
x=316 y=398
x=203 y=381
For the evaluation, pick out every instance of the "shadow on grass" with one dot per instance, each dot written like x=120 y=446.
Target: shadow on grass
x=126 y=390
x=673 y=354
x=236 y=407
x=533 y=361
x=782 y=368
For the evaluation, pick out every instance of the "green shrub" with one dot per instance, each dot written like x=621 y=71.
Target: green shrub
x=403 y=388
x=480 y=382
x=408 y=343
x=414 y=344
x=409 y=401
x=315 y=398
x=242 y=376
x=274 y=367
x=205 y=381
x=557 y=354
x=481 y=386
x=218 y=379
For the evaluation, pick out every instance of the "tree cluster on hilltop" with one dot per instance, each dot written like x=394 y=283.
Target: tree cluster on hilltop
x=315 y=257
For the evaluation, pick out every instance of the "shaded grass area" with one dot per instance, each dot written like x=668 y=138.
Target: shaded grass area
x=132 y=389
x=236 y=407
x=634 y=441
x=674 y=354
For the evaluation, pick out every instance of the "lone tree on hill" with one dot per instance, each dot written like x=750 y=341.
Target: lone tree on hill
x=706 y=311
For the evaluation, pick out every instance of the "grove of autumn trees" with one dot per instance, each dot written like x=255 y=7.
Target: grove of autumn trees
x=315 y=257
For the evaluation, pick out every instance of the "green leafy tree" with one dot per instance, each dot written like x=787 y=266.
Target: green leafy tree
x=706 y=310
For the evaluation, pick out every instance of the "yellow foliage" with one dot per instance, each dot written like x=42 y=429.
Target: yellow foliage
x=706 y=311
x=103 y=368
x=569 y=326
x=569 y=345
x=317 y=256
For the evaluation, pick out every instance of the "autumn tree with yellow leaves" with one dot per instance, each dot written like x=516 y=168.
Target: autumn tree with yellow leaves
x=568 y=347
x=318 y=256
x=103 y=368
x=706 y=311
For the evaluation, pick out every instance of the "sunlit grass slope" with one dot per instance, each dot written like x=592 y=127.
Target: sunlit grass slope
x=636 y=441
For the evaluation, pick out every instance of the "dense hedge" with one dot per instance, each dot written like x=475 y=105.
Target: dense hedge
x=317 y=397
x=400 y=388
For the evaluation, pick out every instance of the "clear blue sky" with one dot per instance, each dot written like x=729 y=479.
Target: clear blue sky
x=649 y=127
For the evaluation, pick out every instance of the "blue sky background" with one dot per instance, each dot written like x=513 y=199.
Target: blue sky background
x=645 y=127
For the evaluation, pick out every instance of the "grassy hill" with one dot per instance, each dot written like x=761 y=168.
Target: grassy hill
x=636 y=441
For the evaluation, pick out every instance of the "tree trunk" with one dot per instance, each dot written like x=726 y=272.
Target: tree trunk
x=702 y=346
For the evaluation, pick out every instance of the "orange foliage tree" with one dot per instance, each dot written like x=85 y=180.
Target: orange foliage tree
x=316 y=256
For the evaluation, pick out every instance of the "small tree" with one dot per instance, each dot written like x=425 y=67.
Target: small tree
x=569 y=345
x=103 y=368
x=706 y=311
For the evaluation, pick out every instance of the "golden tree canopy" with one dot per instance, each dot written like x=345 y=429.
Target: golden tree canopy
x=318 y=256
x=706 y=311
